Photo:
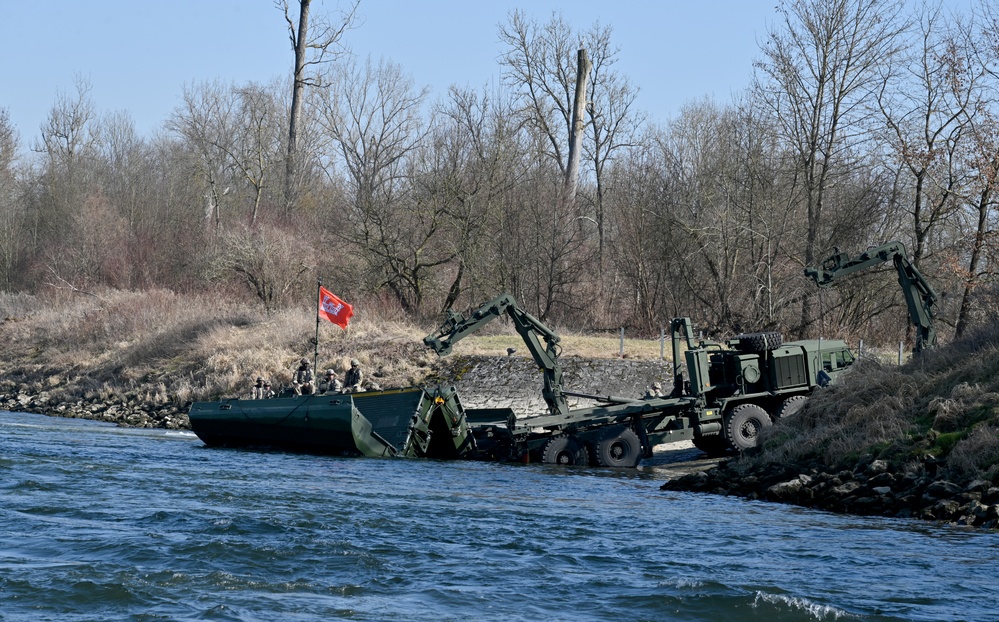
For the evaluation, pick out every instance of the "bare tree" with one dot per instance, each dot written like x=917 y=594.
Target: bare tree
x=68 y=148
x=642 y=262
x=543 y=69
x=236 y=134
x=925 y=109
x=170 y=231
x=67 y=136
x=12 y=214
x=269 y=262
x=373 y=117
x=313 y=44
x=613 y=123
x=820 y=65
x=469 y=164
x=126 y=163
x=974 y=55
x=546 y=65
x=258 y=140
x=206 y=121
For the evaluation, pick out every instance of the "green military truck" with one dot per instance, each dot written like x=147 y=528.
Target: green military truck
x=753 y=380
x=723 y=395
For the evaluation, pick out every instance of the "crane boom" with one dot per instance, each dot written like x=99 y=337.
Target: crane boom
x=919 y=294
x=457 y=326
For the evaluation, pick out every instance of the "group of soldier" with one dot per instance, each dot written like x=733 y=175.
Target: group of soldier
x=303 y=381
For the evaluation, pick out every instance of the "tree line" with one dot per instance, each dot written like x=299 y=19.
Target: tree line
x=863 y=121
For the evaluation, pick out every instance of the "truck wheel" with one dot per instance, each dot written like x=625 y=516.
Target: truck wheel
x=712 y=445
x=791 y=406
x=566 y=451
x=759 y=342
x=743 y=424
x=619 y=448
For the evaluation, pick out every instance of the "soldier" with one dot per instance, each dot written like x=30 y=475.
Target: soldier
x=267 y=393
x=330 y=383
x=655 y=391
x=258 y=389
x=303 y=378
x=353 y=378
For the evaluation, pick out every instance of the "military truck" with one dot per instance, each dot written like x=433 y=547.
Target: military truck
x=721 y=398
x=751 y=380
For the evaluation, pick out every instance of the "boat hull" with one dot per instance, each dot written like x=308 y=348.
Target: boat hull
x=412 y=421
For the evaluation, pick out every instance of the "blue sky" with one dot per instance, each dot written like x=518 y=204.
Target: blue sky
x=138 y=55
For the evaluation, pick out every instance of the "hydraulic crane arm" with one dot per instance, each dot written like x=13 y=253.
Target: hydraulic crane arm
x=532 y=330
x=680 y=328
x=919 y=295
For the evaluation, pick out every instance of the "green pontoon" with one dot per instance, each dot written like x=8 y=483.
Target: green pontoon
x=414 y=422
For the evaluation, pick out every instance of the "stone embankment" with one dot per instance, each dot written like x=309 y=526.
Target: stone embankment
x=871 y=488
x=515 y=381
x=123 y=409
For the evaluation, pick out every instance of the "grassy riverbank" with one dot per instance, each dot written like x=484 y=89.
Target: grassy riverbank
x=164 y=348
x=157 y=351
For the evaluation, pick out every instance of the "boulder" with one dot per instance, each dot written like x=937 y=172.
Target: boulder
x=785 y=491
x=942 y=489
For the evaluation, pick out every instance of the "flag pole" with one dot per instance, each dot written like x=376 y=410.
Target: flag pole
x=315 y=360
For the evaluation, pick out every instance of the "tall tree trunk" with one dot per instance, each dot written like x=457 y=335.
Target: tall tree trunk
x=576 y=136
x=977 y=250
x=296 y=103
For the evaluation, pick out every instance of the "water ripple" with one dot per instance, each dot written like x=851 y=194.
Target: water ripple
x=98 y=522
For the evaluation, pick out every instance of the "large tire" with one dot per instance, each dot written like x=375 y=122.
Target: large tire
x=791 y=406
x=759 y=342
x=566 y=451
x=619 y=448
x=712 y=445
x=743 y=425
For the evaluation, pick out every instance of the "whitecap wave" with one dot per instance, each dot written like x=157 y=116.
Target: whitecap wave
x=181 y=434
x=796 y=603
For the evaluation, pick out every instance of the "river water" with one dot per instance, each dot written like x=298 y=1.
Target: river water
x=105 y=523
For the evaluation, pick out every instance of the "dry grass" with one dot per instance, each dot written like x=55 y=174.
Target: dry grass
x=584 y=346
x=944 y=403
x=173 y=348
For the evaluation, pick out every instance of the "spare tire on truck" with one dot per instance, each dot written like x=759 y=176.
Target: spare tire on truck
x=759 y=342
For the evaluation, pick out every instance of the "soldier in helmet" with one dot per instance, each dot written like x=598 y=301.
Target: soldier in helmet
x=655 y=391
x=258 y=389
x=302 y=380
x=353 y=378
x=329 y=383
